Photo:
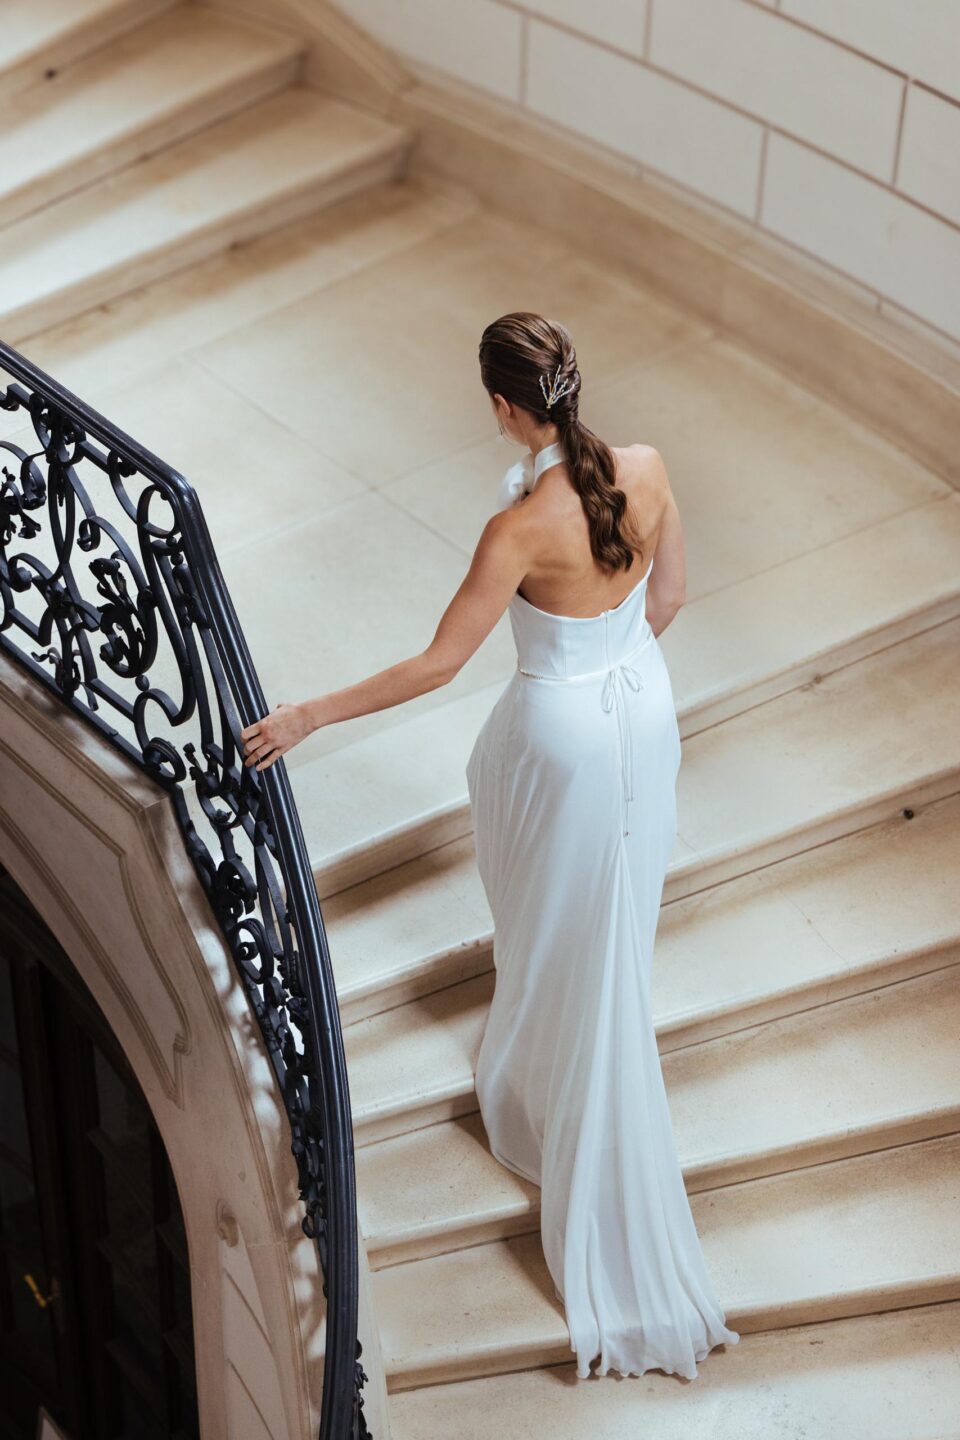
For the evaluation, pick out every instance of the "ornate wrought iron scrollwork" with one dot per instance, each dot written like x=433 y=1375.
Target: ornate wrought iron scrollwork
x=127 y=619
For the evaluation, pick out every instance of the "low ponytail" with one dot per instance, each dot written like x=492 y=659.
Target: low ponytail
x=593 y=471
x=531 y=362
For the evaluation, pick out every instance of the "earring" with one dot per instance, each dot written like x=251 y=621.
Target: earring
x=500 y=428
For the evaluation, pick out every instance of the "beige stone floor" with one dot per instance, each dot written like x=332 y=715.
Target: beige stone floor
x=320 y=388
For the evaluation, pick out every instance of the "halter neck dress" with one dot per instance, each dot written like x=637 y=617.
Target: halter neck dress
x=572 y=785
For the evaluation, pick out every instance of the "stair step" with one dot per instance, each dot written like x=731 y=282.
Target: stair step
x=418 y=927
x=874 y=1233
x=37 y=36
x=831 y=606
x=279 y=159
x=866 y=1072
x=861 y=745
x=147 y=90
x=866 y=909
x=891 y=1376
x=396 y=794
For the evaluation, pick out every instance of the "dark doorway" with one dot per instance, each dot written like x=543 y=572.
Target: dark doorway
x=95 y=1314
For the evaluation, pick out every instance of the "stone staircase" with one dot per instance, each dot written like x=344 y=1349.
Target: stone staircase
x=172 y=133
x=807 y=1001
x=179 y=217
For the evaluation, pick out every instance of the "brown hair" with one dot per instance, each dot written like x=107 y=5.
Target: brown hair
x=515 y=352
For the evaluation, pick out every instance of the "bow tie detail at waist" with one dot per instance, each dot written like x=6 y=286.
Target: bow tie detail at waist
x=611 y=697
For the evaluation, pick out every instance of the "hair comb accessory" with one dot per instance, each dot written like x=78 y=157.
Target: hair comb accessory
x=554 y=392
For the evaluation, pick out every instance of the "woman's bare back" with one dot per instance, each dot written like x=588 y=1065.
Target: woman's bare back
x=564 y=578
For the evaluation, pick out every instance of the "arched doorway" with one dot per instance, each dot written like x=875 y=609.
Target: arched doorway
x=95 y=1307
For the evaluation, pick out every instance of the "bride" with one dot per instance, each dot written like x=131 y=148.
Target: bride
x=572 y=787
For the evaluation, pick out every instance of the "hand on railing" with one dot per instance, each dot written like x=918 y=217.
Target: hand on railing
x=267 y=739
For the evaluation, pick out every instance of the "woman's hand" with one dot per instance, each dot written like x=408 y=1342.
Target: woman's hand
x=267 y=739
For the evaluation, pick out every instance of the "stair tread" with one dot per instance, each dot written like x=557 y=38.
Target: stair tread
x=388 y=797
x=863 y=583
x=892 y=1376
x=126 y=89
x=806 y=922
x=392 y=926
x=788 y=1249
x=875 y=728
x=870 y=1070
x=245 y=164
x=30 y=27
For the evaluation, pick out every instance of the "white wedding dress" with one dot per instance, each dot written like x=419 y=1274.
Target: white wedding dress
x=572 y=784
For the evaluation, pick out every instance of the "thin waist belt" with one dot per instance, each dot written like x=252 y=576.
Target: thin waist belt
x=612 y=697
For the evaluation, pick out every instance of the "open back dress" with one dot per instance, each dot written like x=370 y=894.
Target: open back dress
x=572 y=784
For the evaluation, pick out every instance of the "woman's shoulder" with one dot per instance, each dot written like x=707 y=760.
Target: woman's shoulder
x=643 y=475
x=642 y=464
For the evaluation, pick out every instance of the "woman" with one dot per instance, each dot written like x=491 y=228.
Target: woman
x=572 y=784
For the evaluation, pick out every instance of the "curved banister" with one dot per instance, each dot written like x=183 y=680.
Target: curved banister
x=163 y=611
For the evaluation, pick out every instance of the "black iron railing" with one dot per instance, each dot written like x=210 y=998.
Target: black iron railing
x=125 y=616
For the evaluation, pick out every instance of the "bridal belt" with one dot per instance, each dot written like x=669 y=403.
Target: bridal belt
x=612 y=697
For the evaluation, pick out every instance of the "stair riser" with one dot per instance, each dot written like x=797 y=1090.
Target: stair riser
x=436 y=972
x=867 y=1302
x=138 y=144
x=210 y=240
x=82 y=40
x=882 y=970
x=845 y=1307
x=408 y=842
x=854 y=1140
x=447 y=1105
x=425 y=1246
x=857 y=1140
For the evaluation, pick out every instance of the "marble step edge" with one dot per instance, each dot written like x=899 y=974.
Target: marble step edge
x=452 y=1095
x=522 y=1216
x=436 y=970
x=699 y=873
x=927 y=1290
x=681 y=1031
x=384 y=159
x=73 y=43
x=940 y=1284
x=453 y=821
x=450 y=964
x=883 y=1361
x=725 y=705
x=213 y=100
x=450 y=819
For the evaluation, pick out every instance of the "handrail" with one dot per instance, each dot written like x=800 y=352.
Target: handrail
x=240 y=826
